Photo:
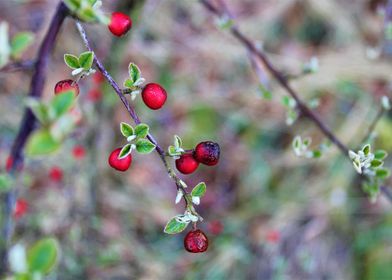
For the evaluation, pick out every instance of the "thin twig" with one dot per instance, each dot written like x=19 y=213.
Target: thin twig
x=136 y=119
x=18 y=66
x=27 y=126
x=373 y=125
x=283 y=81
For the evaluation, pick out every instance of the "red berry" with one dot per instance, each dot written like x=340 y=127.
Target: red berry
x=207 y=153
x=21 y=207
x=10 y=162
x=78 y=152
x=154 y=96
x=98 y=78
x=273 y=236
x=196 y=241
x=119 y=24
x=186 y=164
x=119 y=164
x=94 y=95
x=56 y=174
x=66 y=85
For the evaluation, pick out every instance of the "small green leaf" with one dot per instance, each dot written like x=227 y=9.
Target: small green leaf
x=134 y=72
x=306 y=142
x=72 y=61
x=20 y=43
x=141 y=130
x=265 y=93
x=173 y=151
x=297 y=142
x=62 y=103
x=43 y=256
x=73 y=5
x=380 y=154
x=382 y=173
x=86 y=60
x=199 y=190
x=41 y=142
x=126 y=129
x=128 y=83
x=376 y=163
x=366 y=149
x=317 y=154
x=144 y=146
x=125 y=151
x=175 y=226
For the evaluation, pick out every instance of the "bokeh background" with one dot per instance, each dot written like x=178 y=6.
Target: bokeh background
x=268 y=213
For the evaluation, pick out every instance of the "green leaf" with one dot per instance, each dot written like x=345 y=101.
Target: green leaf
x=72 y=61
x=144 y=146
x=43 y=256
x=125 y=151
x=380 y=154
x=86 y=60
x=128 y=83
x=73 y=5
x=317 y=154
x=126 y=129
x=20 y=43
x=265 y=93
x=141 y=130
x=5 y=48
x=173 y=151
x=174 y=226
x=366 y=149
x=62 y=127
x=41 y=142
x=199 y=190
x=382 y=173
x=61 y=103
x=376 y=163
x=134 y=72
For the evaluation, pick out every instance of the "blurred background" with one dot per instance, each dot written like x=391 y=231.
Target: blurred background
x=268 y=214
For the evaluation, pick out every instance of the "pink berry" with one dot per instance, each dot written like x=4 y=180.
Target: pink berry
x=186 y=164
x=66 y=85
x=119 y=24
x=78 y=152
x=196 y=241
x=119 y=164
x=154 y=96
x=207 y=153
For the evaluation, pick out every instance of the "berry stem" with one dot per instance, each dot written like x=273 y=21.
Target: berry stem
x=136 y=119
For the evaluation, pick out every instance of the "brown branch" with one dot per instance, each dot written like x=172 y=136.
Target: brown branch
x=282 y=80
x=27 y=126
x=136 y=119
x=18 y=66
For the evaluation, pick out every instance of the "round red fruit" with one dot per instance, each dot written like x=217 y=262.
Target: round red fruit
x=66 y=85
x=207 y=153
x=78 y=152
x=119 y=164
x=21 y=208
x=56 y=174
x=119 y=24
x=186 y=164
x=154 y=96
x=196 y=241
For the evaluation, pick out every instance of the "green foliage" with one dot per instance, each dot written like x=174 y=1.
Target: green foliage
x=301 y=148
x=141 y=130
x=175 y=225
x=20 y=43
x=87 y=10
x=144 y=146
x=80 y=65
x=134 y=81
x=199 y=190
x=126 y=129
x=41 y=142
x=176 y=149
x=43 y=256
x=5 y=182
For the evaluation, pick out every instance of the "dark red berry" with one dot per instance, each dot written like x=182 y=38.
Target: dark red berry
x=119 y=24
x=154 y=96
x=78 y=152
x=66 y=85
x=20 y=210
x=207 y=153
x=119 y=164
x=56 y=174
x=196 y=241
x=186 y=164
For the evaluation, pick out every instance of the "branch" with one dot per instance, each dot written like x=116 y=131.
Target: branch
x=27 y=126
x=18 y=66
x=373 y=125
x=136 y=119
x=282 y=80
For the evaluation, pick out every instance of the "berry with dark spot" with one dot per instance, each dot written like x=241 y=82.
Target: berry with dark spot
x=207 y=153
